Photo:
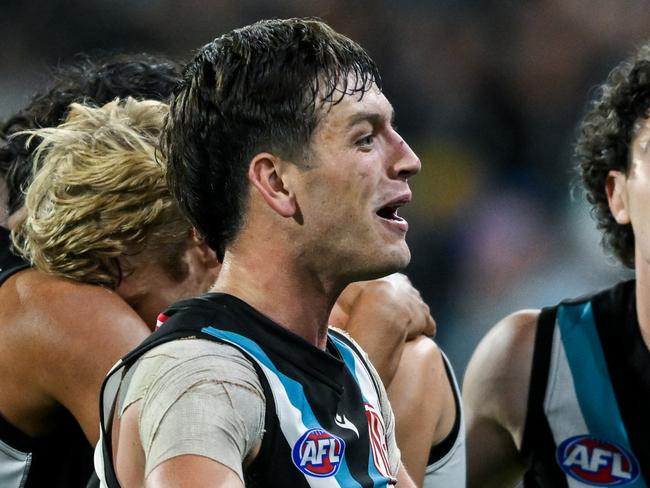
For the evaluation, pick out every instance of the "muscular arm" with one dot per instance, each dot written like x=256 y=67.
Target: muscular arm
x=403 y=478
x=495 y=393
x=190 y=400
x=423 y=403
x=382 y=316
x=69 y=336
x=191 y=471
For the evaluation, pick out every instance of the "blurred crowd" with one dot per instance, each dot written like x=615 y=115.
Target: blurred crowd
x=487 y=92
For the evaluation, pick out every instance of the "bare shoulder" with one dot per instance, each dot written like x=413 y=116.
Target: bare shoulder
x=498 y=375
x=79 y=312
x=73 y=325
x=58 y=338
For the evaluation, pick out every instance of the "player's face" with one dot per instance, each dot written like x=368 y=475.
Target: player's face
x=357 y=182
x=631 y=191
x=149 y=289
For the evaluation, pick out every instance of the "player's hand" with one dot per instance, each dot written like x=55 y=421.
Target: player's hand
x=391 y=302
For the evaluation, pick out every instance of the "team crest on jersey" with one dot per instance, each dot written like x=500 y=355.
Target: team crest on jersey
x=318 y=453
x=597 y=462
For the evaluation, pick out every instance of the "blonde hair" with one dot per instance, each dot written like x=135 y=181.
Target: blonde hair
x=99 y=193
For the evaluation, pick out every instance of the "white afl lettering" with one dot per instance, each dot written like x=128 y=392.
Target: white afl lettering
x=323 y=444
x=316 y=451
x=579 y=456
x=334 y=458
x=617 y=468
x=599 y=457
x=309 y=455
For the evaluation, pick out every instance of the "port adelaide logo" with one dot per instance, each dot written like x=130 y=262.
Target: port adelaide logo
x=597 y=462
x=318 y=453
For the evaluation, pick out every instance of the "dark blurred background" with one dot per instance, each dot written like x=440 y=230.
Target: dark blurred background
x=488 y=93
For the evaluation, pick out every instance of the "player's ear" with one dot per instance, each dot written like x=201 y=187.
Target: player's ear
x=616 y=189
x=266 y=174
x=205 y=254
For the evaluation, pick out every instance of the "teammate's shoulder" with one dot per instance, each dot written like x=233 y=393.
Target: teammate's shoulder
x=513 y=331
x=78 y=311
x=503 y=357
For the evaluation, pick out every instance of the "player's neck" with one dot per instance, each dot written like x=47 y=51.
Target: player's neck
x=643 y=300
x=270 y=282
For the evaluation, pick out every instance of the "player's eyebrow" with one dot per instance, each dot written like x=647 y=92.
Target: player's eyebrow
x=374 y=118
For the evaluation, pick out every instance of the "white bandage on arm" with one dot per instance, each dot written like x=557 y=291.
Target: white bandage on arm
x=198 y=397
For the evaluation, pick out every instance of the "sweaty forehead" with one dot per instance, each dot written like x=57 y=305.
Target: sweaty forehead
x=371 y=106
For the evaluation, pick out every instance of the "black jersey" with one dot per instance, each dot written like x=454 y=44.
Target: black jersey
x=323 y=423
x=60 y=460
x=9 y=262
x=588 y=421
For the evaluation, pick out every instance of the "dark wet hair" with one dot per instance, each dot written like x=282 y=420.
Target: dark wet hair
x=258 y=88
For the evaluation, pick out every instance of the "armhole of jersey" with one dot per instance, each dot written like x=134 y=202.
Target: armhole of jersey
x=106 y=414
x=538 y=380
x=258 y=464
x=440 y=450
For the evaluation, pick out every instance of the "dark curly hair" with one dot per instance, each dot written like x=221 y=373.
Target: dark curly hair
x=605 y=139
x=91 y=81
x=258 y=88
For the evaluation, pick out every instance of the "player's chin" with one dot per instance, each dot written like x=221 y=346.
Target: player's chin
x=393 y=259
x=401 y=257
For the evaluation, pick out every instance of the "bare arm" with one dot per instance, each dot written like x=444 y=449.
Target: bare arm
x=403 y=478
x=65 y=336
x=495 y=393
x=90 y=329
x=190 y=471
x=423 y=403
x=382 y=315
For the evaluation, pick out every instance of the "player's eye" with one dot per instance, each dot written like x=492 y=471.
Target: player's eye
x=366 y=140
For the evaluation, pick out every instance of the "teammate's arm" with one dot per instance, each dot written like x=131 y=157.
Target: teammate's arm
x=190 y=471
x=90 y=328
x=382 y=315
x=423 y=403
x=495 y=396
x=403 y=478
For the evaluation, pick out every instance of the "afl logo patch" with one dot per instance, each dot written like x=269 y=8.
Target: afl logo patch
x=597 y=462
x=318 y=453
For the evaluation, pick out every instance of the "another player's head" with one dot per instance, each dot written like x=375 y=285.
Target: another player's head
x=99 y=211
x=613 y=142
x=88 y=81
x=284 y=121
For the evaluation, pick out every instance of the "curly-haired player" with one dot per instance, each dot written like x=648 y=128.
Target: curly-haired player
x=561 y=395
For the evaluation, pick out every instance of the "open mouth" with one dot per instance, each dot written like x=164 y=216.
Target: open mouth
x=389 y=216
x=389 y=212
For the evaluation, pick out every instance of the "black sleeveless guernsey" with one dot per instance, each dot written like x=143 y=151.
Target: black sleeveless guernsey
x=323 y=423
x=588 y=421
